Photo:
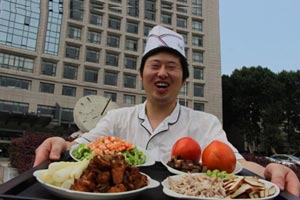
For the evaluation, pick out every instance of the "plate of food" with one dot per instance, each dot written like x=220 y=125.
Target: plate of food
x=196 y=168
x=76 y=180
x=201 y=186
x=106 y=144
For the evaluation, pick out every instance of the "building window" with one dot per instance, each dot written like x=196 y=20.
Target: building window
x=74 y=32
x=133 y=8
x=92 y=55
x=16 y=62
x=111 y=95
x=110 y=78
x=19 y=24
x=131 y=44
x=48 y=110
x=129 y=99
x=47 y=88
x=144 y=98
x=198 y=73
x=94 y=37
x=113 y=41
x=199 y=106
x=181 y=8
x=197 y=7
x=166 y=5
x=129 y=81
x=72 y=52
x=115 y=9
x=182 y=22
x=184 y=89
x=96 y=19
x=68 y=91
x=150 y=10
x=166 y=18
x=184 y=35
x=112 y=59
x=48 y=68
x=183 y=102
x=114 y=23
x=76 y=10
x=197 y=40
x=87 y=92
x=70 y=72
x=53 y=27
x=132 y=27
x=197 y=25
x=12 y=106
x=91 y=75
x=67 y=114
x=14 y=83
x=96 y=6
x=147 y=29
x=197 y=56
x=130 y=62
x=198 y=90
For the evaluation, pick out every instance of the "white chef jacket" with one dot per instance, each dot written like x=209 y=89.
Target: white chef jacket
x=132 y=124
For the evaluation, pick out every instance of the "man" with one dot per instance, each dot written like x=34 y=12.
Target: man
x=159 y=122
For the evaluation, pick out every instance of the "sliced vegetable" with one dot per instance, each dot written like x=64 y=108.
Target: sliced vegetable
x=82 y=152
x=134 y=156
x=219 y=174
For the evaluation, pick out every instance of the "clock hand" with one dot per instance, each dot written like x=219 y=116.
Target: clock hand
x=106 y=105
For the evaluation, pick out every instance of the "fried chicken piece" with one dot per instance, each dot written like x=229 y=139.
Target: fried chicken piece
x=102 y=162
x=117 y=188
x=83 y=185
x=102 y=188
x=118 y=173
x=134 y=179
x=103 y=177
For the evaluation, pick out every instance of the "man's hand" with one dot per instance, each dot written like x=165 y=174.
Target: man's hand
x=51 y=149
x=284 y=177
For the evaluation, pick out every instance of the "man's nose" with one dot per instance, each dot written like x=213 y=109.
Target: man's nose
x=163 y=72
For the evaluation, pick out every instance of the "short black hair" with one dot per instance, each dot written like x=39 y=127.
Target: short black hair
x=183 y=61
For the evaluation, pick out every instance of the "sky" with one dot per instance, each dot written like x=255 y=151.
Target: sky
x=260 y=33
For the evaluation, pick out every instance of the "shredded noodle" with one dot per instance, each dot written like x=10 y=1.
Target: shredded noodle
x=198 y=185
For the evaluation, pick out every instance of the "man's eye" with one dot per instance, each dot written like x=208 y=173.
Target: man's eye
x=154 y=66
x=171 y=67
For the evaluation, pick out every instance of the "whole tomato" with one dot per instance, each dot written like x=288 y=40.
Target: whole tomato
x=187 y=148
x=218 y=155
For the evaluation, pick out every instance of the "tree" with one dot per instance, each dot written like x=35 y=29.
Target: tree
x=291 y=103
x=248 y=92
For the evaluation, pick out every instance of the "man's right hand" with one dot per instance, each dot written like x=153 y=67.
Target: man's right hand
x=51 y=149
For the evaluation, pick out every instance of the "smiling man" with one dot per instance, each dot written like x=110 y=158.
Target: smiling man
x=160 y=121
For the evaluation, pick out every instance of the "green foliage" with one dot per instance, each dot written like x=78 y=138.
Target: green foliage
x=262 y=106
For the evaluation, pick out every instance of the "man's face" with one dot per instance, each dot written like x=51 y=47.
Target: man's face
x=162 y=77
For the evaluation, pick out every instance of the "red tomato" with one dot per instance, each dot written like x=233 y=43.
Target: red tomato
x=218 y=155
x=187 y=148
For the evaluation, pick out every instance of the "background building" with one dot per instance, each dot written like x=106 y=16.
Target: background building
x=54 y=52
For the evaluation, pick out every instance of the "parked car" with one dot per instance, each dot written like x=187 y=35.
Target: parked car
x=286 y=158
x=274 y=160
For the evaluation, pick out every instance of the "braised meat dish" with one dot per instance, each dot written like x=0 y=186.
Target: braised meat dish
x=109 y=173
x=185 y=165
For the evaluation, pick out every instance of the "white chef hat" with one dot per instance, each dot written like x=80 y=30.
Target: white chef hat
x=163 y=39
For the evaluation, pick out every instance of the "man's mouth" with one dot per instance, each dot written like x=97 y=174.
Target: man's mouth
x=161 y=85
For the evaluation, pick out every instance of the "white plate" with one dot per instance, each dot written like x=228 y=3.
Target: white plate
x=171 y=193
x=149 y=160
x=71 y=194
x=167 y=157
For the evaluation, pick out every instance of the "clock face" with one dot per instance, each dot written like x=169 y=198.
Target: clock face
x=90 y=109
